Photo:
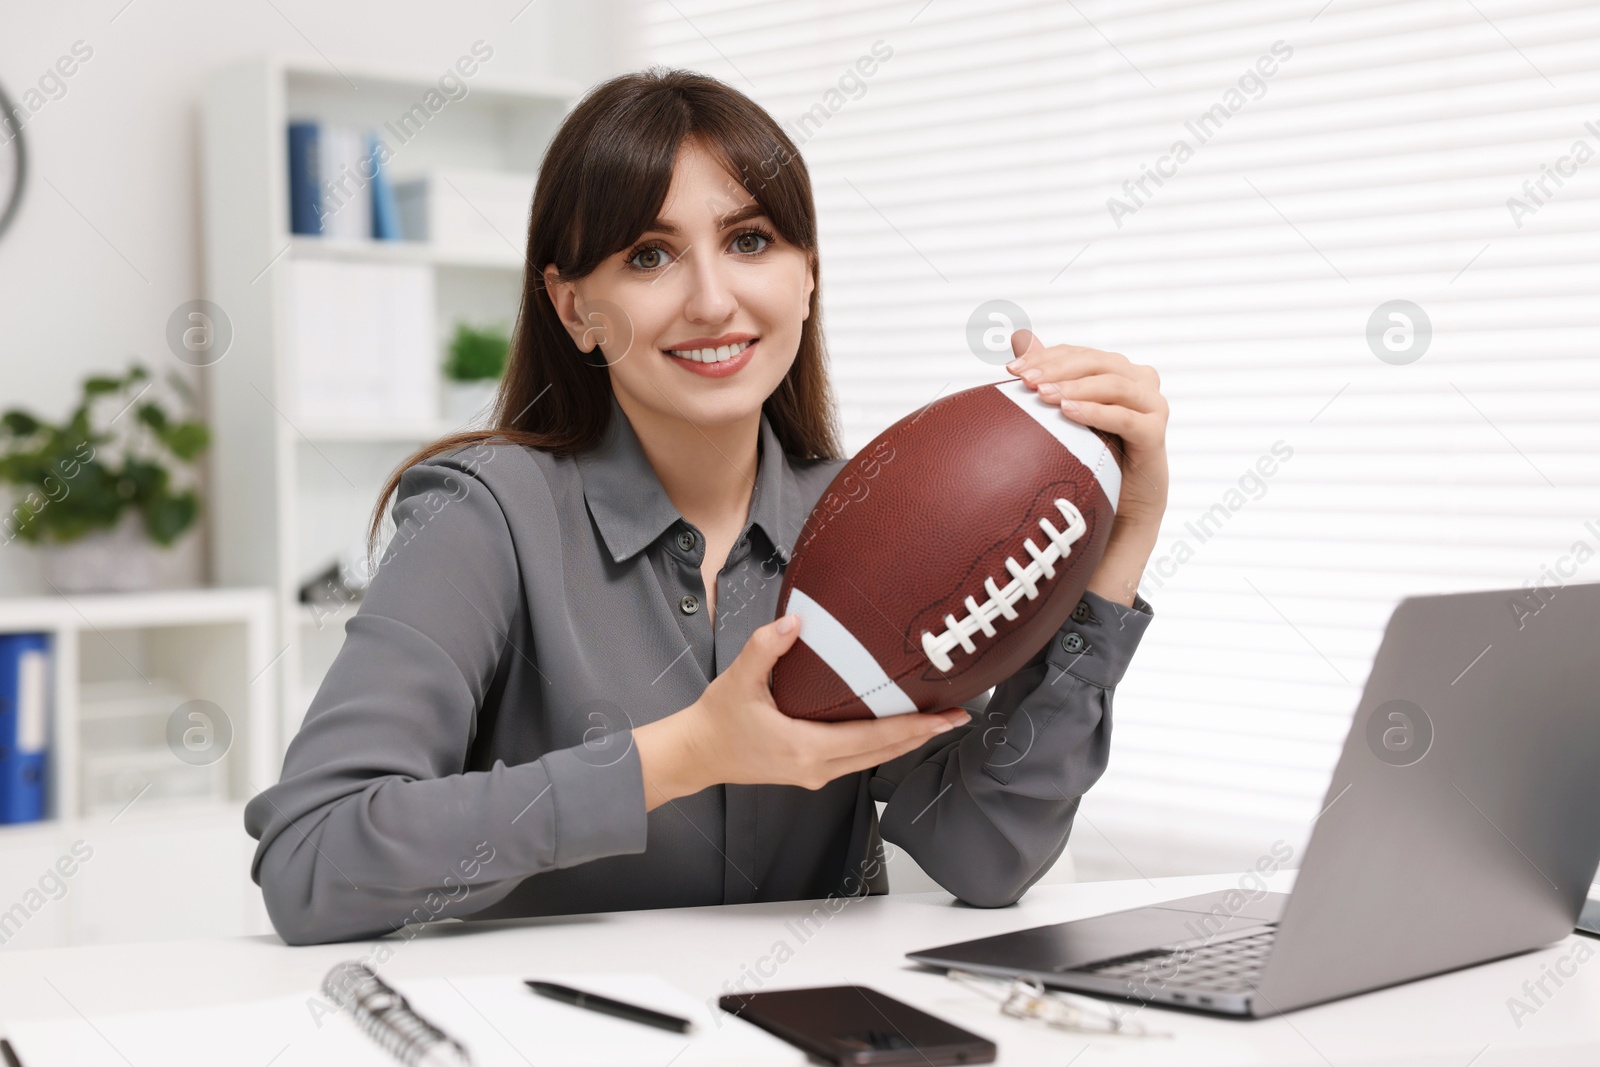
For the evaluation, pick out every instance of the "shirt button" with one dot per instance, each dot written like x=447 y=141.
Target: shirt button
x=686 y=540
x=689 y=604
x=1081 y=612
x=1072 y=642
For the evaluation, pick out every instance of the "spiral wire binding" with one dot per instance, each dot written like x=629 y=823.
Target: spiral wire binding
x=1024 y=582
x=387 y=1017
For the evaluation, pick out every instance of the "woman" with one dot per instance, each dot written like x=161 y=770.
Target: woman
x=554 y=698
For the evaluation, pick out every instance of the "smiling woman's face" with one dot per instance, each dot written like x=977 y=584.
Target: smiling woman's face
x=711 y=276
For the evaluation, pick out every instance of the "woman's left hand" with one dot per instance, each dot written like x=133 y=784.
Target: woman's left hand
x=1109 y=392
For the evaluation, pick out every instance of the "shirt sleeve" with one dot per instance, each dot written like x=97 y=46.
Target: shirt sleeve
x=986 y=809
x=375 y=823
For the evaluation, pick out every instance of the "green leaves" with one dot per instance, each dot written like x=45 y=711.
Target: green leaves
x=477 y=355
x=186 y=440
x=93 y=387
x=19 y=424
x=168 y=515
x=81 y=476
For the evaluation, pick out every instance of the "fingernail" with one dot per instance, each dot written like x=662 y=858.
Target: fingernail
x=1049 y=391
x=1015 y=365
x=787 y=624
x=1032 y=374
x=942 y=726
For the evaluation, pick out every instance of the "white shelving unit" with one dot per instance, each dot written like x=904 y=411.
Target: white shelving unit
x=289 y=498
x=204 y=644
x=216 y=645
x=405 y=252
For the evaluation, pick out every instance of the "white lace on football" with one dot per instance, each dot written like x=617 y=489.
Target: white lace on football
x=1024 y=582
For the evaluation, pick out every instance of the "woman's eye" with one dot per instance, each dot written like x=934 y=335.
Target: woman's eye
x=656 y=252
x=653 y=257
x=751 y=235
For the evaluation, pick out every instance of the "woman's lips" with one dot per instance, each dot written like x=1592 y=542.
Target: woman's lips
x=716 y=370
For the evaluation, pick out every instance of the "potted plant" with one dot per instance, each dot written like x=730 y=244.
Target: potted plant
x=472 y=372
x=105 y=493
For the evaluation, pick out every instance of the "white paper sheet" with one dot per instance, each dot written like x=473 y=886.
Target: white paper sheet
x=500 y=1021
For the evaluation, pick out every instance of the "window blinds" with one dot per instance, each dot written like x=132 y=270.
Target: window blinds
x=1237 y=193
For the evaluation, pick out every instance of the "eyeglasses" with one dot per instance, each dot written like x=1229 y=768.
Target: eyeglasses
x=1027 y=998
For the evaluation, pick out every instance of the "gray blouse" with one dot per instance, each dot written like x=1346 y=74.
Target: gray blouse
x=470 y=751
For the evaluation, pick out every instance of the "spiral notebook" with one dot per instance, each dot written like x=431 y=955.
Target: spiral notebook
x=497 y=1018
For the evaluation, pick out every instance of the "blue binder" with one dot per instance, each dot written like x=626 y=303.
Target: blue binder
x=24 y=726
x=385 y=209
x=305 y=195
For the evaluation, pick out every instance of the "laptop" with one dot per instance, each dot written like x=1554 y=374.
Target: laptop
x=1589 y=921
x=1462 y=825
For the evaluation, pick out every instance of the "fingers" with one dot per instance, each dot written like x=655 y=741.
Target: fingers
x=1063 y=362
x=860 y=761
x=844 y=740
x=812 y=754
x=1038 y=366
x=955 y=716
x=1131 y=426
x=854 y=757
x=1025 y=342
x=755 y=661
x=1100 y=389
x=1103 y=389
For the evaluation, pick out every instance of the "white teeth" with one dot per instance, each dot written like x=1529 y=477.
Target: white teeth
x=712 y=355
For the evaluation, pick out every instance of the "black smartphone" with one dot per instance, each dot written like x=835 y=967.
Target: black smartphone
x=851 y=1024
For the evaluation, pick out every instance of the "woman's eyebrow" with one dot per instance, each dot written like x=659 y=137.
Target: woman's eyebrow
x=732 y=218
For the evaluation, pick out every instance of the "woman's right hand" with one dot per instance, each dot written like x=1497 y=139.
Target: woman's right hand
x=735 y=733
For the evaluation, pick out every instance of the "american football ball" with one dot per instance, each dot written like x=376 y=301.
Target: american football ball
x=944 y=555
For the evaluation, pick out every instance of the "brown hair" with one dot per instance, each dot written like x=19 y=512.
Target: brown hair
x=603 y=180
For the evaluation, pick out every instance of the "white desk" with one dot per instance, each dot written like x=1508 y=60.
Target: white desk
x=1451 y=1021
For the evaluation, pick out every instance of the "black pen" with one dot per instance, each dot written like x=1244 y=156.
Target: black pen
x=9 y=1054
x=579 y=999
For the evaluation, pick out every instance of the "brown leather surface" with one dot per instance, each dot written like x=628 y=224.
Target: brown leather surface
x=913 y=524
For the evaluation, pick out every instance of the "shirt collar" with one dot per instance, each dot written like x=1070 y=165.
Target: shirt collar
x=632 y=509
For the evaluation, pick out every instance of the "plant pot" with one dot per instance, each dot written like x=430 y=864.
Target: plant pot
x=466 y=404
x=119 y=560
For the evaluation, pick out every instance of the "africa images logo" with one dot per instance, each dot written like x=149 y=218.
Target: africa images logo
x=1399 y=733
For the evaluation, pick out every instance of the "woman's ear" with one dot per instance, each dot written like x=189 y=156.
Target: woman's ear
x=564 y=298
x=811 y=286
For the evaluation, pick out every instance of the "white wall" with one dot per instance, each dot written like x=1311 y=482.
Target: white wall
x=108 y=240
x=969 y=151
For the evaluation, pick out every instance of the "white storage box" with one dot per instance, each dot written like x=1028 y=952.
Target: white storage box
x=113 y=780
x=467 y=210
x=123 y=728
x=365 y=351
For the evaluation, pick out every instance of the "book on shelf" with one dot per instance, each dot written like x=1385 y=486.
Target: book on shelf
x=24 y=726
x=385 y=211
x=305 y=200
x=338 y=183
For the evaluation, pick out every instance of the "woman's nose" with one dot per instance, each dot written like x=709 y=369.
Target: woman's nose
x=710 y=297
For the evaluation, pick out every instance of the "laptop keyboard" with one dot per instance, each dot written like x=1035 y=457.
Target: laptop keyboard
x=1220 y=966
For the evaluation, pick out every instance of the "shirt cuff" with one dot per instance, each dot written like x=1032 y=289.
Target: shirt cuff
x=1097 y=642
x=599 y=801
